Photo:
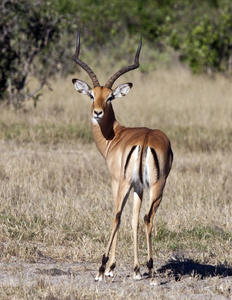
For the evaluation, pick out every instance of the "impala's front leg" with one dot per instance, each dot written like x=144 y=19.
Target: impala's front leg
x=112 y=260
x=123 y=193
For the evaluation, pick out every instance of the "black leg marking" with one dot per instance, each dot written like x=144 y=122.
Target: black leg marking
x=102 y=269
x=103 y=265
x=146 y=219
x=112 y=266
x=118 y=216
x=150 y=264
x=136 y=269
x=150 y=268
x=104 y=259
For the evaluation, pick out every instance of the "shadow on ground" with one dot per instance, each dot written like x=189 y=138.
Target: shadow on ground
x=187 y=267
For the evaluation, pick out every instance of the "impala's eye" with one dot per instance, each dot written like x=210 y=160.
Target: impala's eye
x=91 y=96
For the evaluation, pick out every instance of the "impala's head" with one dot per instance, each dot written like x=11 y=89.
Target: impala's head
x=102 y=96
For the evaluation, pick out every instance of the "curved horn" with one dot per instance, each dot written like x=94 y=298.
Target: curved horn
x=111 y=81
x=83 y=65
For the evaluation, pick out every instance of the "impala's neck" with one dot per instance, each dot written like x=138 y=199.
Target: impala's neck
x=104 y=130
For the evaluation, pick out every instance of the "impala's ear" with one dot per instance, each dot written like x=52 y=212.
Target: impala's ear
x=122 y=89
x=82 y=87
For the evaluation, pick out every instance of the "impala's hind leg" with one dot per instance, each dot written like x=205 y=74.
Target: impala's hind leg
x=155 y=199
x=135 y=225
x=123 y=192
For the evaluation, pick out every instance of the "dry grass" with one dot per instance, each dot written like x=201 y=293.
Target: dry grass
x=55 y=194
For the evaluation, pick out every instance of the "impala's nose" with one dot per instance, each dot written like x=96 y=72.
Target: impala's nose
x=97 y=114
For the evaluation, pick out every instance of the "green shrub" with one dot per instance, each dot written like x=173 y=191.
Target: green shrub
x=27 y=33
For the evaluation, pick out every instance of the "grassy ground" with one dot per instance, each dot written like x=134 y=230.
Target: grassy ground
x=55 y=193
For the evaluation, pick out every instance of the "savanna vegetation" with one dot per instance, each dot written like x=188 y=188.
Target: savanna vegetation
x=55 y=191
x=37 y=37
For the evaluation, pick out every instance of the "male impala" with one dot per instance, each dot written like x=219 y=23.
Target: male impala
x=137 y=158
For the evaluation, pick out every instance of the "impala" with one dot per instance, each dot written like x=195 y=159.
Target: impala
x=137 y=158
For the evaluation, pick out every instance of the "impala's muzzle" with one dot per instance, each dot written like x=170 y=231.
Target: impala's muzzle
x=98 y=114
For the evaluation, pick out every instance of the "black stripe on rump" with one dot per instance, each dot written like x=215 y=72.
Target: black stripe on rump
x=128 y=158
x=156 y=162
x=141 y=167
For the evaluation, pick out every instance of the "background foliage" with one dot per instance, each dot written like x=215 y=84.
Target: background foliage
x=37 y=37
x=28 y=31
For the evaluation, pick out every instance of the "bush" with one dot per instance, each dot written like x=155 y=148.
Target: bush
x=206 y=41
x=27 y=32
x=208 y=45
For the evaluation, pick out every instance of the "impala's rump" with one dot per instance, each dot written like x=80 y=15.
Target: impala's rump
x=142 y=168
x=145 y=163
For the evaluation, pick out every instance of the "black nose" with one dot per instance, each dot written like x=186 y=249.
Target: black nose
x=97 y=113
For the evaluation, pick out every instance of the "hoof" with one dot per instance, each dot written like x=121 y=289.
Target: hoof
x=109 y=273
x=99 y=277
x=154 y=282
x=137 y=276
